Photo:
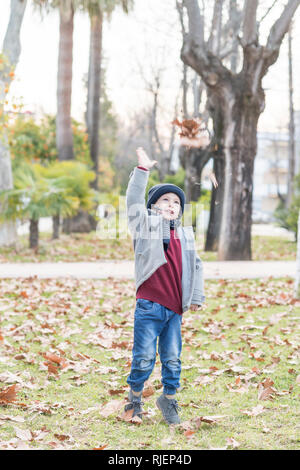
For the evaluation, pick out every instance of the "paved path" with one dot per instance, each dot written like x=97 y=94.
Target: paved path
x=125 y=269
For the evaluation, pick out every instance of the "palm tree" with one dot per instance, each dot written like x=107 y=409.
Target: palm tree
x=64 y=137
x=69 y=180
x=60 y=189
x=97 y=9
x=27 y=200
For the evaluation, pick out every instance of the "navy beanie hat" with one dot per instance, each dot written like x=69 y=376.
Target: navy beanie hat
x=159 y=189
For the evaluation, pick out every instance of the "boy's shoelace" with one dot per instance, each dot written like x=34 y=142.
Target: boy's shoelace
x=136 y=404
x=173 y=405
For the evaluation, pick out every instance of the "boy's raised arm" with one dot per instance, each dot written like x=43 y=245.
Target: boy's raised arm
x=135 y=194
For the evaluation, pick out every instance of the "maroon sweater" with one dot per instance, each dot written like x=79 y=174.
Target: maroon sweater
x=164 y=286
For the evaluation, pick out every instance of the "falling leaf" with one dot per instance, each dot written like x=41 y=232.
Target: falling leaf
x=190 y=130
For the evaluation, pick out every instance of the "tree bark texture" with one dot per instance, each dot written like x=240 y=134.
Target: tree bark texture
x=64 y=135
x=291 y=167
x=216 y=204
x=94 y=87
x=33 y=233
x=11 y=51
x=55 y=226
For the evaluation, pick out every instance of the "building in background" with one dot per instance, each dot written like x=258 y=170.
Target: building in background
x=271 y=170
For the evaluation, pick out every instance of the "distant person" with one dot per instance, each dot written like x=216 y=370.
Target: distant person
x=169 y=281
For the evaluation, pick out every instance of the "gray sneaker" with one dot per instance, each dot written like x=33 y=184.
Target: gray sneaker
x=169 y=408
x=135 y=403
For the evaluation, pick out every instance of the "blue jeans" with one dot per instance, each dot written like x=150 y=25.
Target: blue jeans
x=152 y=321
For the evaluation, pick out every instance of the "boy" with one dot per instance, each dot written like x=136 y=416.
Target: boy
x=169 y=281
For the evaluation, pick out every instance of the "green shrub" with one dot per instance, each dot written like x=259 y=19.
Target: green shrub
x=35 y=142
x=288 y=218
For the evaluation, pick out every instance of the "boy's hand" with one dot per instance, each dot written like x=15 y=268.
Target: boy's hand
x=143 y=159
x=195 y=307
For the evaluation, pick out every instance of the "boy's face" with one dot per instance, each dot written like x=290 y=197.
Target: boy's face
x=169 y=204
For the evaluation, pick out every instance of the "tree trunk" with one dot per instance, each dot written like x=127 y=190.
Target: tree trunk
x=291 y=168
x=240 y=128
x=82 y=222
x=94 y=88
x=8 y=230
x=55 y=226
x=64 y=136
x=34 y=234
x=11 y=52
x=216 y=204
x=193 y=161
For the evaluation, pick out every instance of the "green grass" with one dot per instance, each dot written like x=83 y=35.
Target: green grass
x=248 y=331
x=89 y=247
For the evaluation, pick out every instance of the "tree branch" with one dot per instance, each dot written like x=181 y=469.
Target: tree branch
x=249 y=22
x=216 y=26
x=179 y=7
x=11 y=43
x=267 y=12
x=196 y=30
x=281 y=26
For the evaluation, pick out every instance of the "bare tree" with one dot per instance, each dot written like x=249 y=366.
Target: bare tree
x=192 y=160
x=241 y=100
x=160 y=149
x=10 y=56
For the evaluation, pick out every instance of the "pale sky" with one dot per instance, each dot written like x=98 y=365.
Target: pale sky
x=149 y=36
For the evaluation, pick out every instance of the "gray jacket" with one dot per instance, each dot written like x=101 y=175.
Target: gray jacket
x=147 y=234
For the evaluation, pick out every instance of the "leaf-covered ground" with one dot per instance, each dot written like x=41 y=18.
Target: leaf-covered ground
x=89 y=247
x=65 y=356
